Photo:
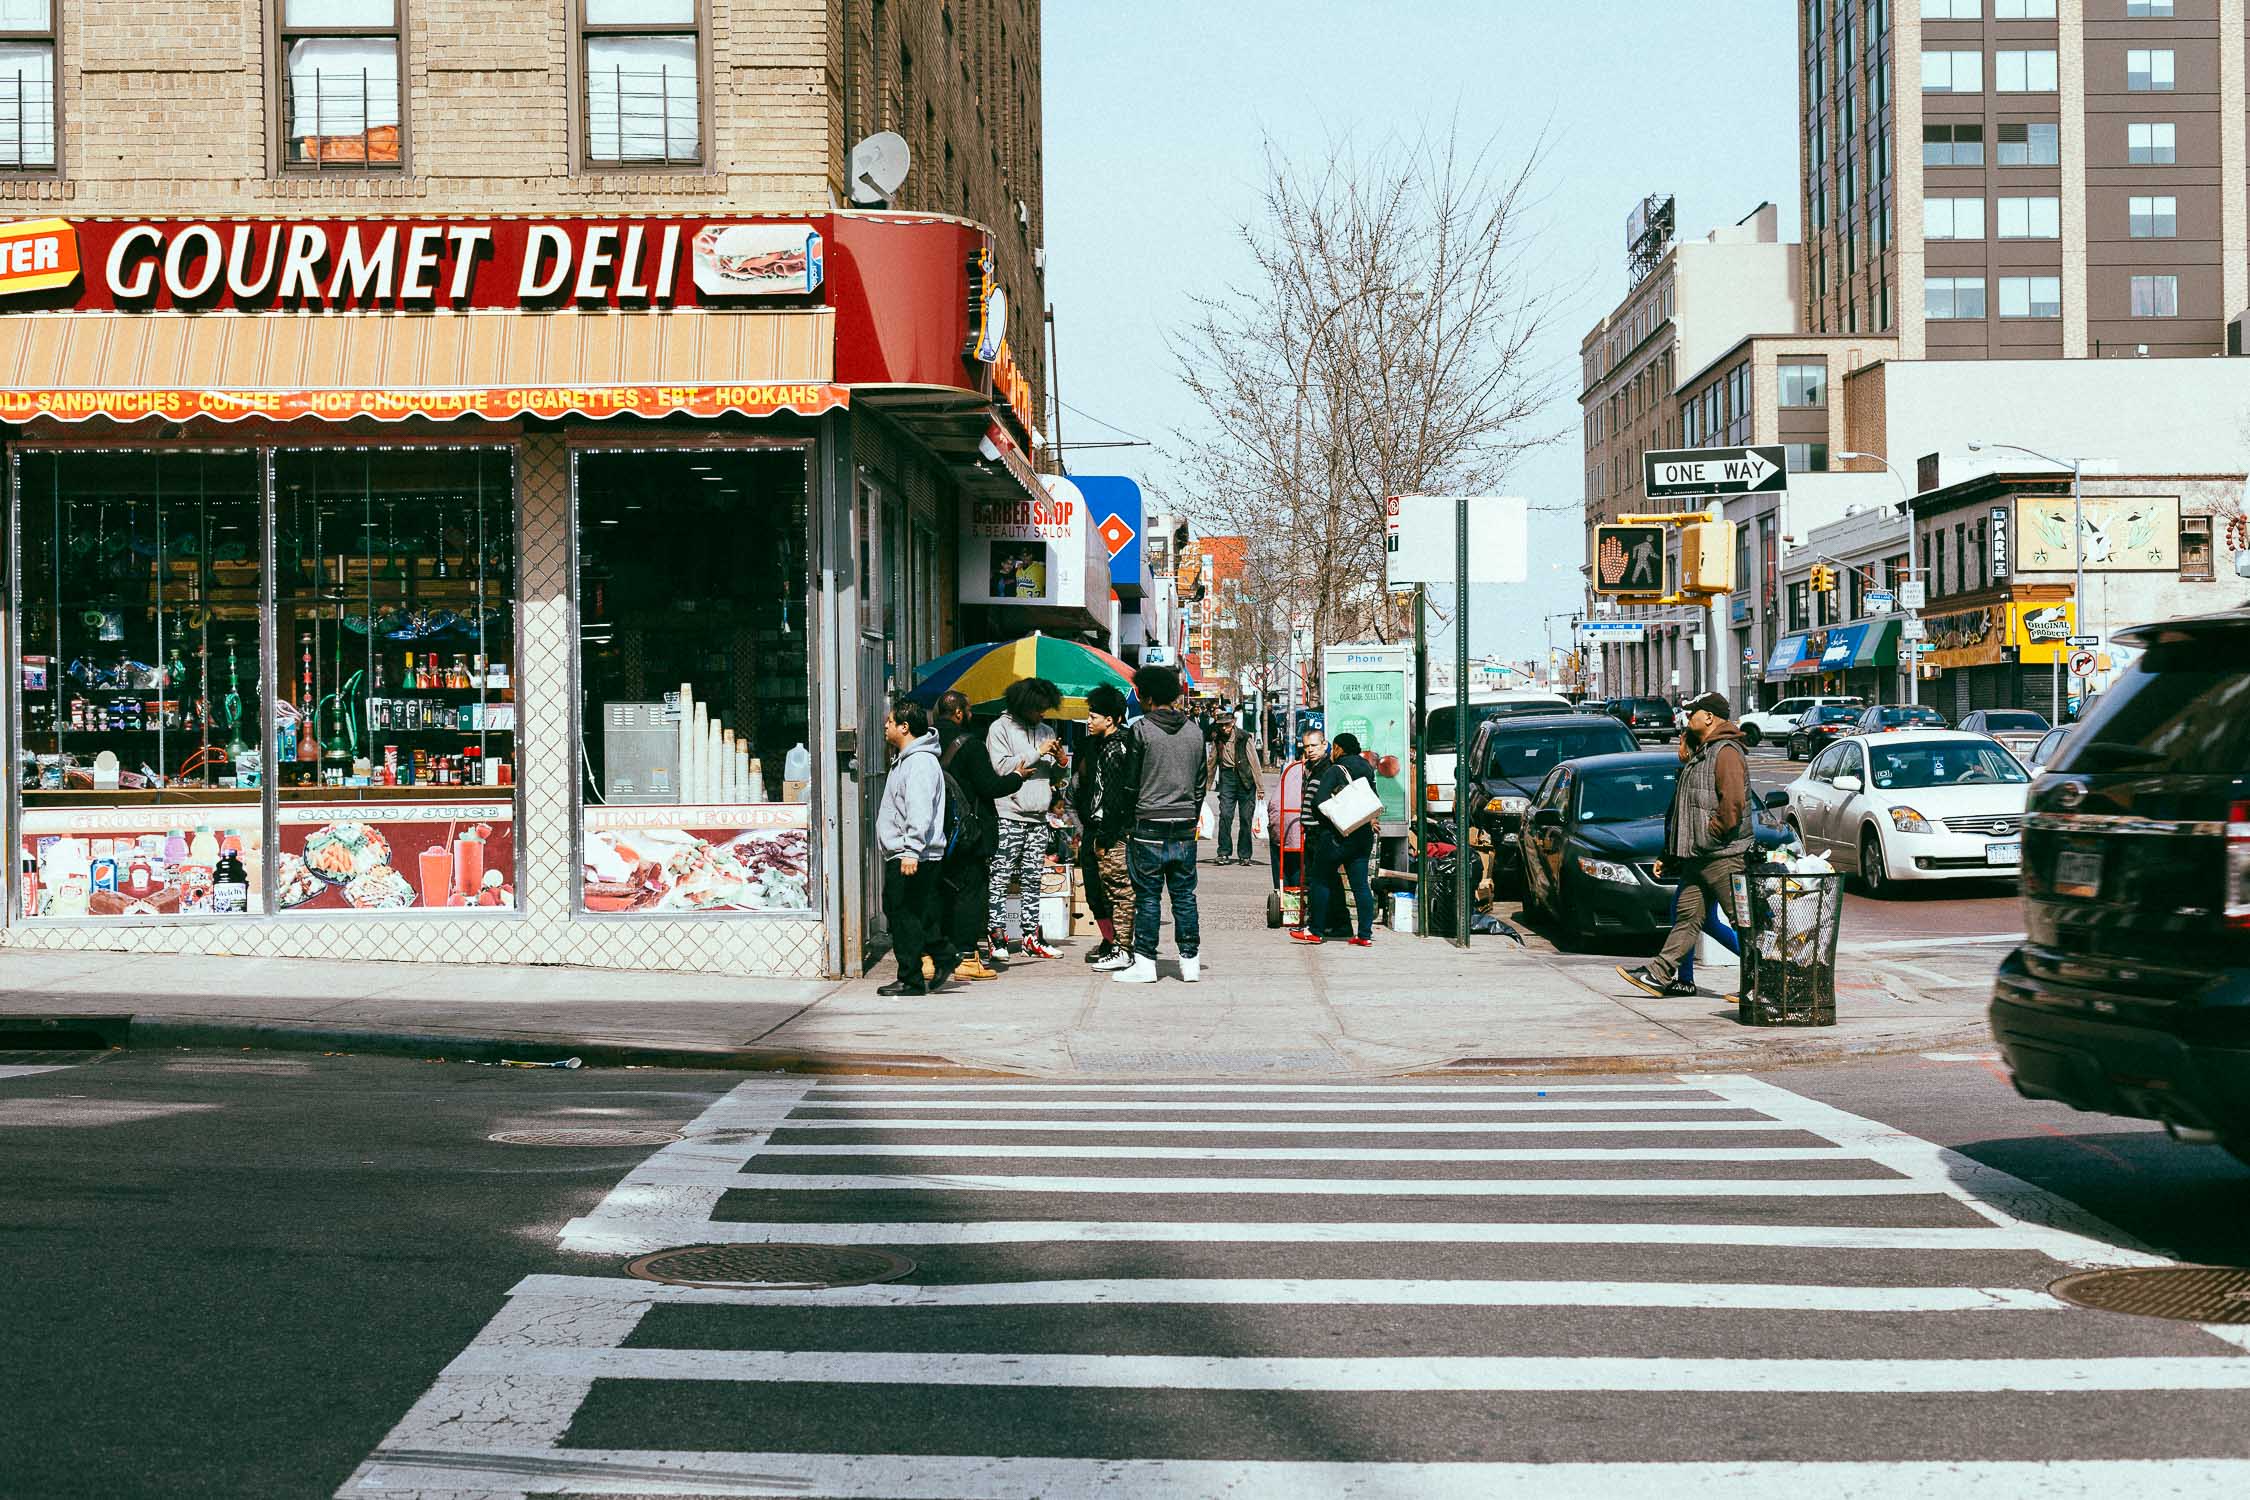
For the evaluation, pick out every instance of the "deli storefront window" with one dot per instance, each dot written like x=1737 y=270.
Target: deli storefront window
x=696 y=688
x=139 y=760
x=395 y=724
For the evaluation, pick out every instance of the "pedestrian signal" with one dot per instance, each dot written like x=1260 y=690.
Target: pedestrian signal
x=1707 y=557
x=1628 y=560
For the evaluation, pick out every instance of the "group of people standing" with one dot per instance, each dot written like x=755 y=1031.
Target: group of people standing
x=968 y=819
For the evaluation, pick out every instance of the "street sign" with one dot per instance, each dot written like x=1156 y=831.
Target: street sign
x=2085 y=642
x=1911 y=595
x=1714 y=471
x=1879 y=601
x=2082 y=663
x=1419 y=539
x=1912 y=628
x=1749 y=654
x=1628 y=559
x=1695 y=641
x=1613 y=632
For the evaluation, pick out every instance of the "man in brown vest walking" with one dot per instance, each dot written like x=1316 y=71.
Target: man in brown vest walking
x=1706 y=834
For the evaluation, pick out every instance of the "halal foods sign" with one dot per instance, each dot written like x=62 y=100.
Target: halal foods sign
x=408 y=265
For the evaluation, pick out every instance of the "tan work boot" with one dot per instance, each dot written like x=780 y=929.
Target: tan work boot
x=973 y=968
x=929 y=969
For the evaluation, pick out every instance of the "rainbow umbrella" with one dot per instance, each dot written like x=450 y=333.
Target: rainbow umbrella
x=984 y=672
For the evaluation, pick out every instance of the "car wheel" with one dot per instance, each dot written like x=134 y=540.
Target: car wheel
x=1874 y=877
x=1753 y=736
x=1797 y=750
x=1797 y=832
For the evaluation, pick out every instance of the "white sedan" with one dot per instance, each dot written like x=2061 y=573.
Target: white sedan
x=1913 y=805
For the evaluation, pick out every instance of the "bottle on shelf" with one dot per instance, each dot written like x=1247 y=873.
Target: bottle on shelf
x=230 y=883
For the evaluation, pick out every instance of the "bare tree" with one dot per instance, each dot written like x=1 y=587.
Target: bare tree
x=1385 y=343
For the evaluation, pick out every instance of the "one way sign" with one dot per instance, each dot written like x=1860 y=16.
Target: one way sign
x=1715 y=471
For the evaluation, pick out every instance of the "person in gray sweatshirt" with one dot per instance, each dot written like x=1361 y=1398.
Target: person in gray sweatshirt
x=1022 y=743
x=1174 y=774
x=910 y=835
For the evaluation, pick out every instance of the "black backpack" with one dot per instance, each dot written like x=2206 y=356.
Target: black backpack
x=966 y=835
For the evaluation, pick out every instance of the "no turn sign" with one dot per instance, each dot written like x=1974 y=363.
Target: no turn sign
x=2081 y=663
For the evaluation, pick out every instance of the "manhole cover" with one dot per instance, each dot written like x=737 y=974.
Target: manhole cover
x=773 y=1268
x=589 y=1136
x=2190 y=1294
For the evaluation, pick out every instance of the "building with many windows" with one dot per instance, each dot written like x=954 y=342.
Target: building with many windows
x=2025 y=178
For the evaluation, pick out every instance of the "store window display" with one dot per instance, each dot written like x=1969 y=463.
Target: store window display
x=140 y=761
x=695 y=678
x=395 y=720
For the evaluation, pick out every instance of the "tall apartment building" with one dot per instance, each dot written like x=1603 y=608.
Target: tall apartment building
x=2025 y=178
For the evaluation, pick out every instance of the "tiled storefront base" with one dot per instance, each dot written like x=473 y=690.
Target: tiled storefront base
x=547 y=931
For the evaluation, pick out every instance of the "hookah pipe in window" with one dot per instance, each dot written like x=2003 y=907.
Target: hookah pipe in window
x=232 y=706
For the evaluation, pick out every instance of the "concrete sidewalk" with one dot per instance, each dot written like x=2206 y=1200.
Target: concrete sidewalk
x=1266 y=1008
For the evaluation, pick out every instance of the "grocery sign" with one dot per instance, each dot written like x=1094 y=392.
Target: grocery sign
x=495 y=403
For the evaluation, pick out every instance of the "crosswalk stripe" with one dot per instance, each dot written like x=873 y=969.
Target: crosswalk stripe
x=25 y=1070
x=1341 y=1187
x=823 y=1091
x=1228 y=1291
x=2216 y=1372
x=1464 y=1154
x=853 y=1476
x=1298 y=1106
x=624 y=1236
x=1288 y=1127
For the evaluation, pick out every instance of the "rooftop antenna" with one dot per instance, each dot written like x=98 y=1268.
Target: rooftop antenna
x=878 y=165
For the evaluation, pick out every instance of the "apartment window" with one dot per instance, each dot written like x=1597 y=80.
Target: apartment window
x=2030 y=144
x=1806 y=458
x=643 y=97
x=2030 y=218
x=27 y=86
x=1952 y=72
x=1798 y=617
x=1883 y=307
x=2151 y=144
x=339 y=77
x=2148 y=72
x=2195 y=549
x=1953 y=218
x=2154 y=218
x=2025 y=72
x=2156 y=296
x=2134 y=8
x=2023 y=10
x=1804 y=384
x=1953 y=145
x=2031 y=296
x=1954 y=10
x=1953 y=297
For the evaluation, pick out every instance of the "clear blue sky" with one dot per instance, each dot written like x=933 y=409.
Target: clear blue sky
x=1154 y=114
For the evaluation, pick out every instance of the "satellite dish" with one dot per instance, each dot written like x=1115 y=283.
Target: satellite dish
x=879 y=164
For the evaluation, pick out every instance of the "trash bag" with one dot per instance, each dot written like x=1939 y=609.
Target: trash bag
x=1434 y=907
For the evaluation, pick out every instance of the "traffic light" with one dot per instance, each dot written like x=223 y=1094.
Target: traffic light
x=1628 y=560
x=1823 y=579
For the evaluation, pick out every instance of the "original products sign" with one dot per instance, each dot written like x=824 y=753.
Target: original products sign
x=404 y=264
x=496 y=403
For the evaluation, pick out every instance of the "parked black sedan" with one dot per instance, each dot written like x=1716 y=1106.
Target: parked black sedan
x=1511 y=757
x=1819 y=726
x=1591 y=839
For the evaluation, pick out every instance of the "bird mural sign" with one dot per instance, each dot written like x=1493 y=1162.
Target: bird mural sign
x=2119 y=534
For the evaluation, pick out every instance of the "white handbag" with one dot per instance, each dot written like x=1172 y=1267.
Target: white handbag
x=1353 y=808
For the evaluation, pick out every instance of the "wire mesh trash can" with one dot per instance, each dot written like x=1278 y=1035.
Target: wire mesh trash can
x=1791 y=923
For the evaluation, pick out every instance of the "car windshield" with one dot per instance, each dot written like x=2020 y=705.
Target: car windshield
x=2045 y=751
x=2014 y=721
x=1941 y=763
x=1830 y=715
x=2174 y=711
x=1626 y=796
x=1529 y=755
x=1910 y=714
x=1437 y=726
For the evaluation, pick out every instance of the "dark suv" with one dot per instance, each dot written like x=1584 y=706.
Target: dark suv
x=1648 y=718
x=1511 y=757
x=2131 y=993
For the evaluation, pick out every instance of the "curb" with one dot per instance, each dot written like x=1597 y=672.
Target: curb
x=1779 y=1056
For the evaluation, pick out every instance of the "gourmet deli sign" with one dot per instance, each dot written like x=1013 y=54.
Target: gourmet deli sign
x=404 y=264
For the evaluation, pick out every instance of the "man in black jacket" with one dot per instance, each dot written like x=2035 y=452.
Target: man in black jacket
x=1330 y=854
x=961 y=750
x=1103 y=794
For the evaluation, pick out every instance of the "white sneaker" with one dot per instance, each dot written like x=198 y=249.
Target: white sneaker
x=1121 y=959
x=1141 y=971
x=1191 y=969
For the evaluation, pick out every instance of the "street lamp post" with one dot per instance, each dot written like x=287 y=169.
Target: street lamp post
x=1914 y=656
x=2077 y=467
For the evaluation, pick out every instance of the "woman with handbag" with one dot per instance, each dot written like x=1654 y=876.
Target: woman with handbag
x=1345 y=839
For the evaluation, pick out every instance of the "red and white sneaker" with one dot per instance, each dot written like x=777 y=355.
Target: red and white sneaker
x=1302 y=936
x=1034 y=948
x=1360 y=942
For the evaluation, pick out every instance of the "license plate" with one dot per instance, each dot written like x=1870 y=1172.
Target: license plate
x=2010 y=853
x=2078 y=872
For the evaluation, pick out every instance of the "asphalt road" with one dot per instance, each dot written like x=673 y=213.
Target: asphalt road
x=247 y=1274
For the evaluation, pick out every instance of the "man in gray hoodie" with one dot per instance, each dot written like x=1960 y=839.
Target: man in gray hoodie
x=1174 y=776
x=910 y=834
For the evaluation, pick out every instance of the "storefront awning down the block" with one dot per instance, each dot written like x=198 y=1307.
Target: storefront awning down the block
x=497 y=366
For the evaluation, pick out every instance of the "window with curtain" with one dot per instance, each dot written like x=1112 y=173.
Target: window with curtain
x=340 y=85
x=643 y=77
x=27 y=85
